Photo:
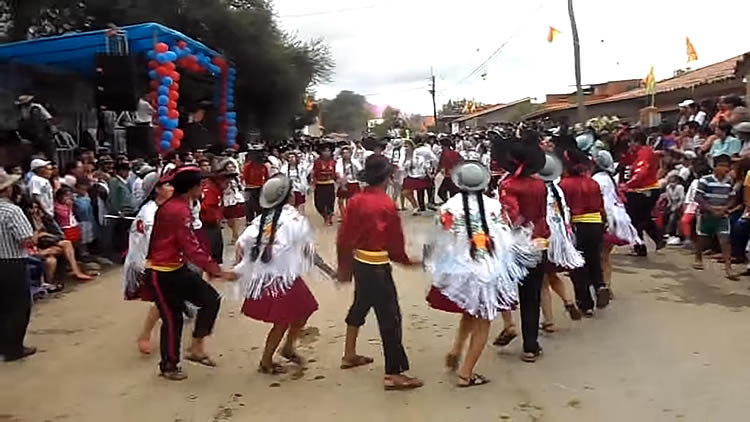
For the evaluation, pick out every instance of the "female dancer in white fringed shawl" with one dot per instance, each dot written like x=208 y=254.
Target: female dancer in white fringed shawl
x=476 y=262
x=274 y=252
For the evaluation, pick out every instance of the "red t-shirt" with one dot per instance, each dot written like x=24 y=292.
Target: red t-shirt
x=255 y=174
x=212 y=210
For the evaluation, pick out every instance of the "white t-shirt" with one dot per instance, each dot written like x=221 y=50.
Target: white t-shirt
x=43 y=188
x=699 y=117
x=348 y=172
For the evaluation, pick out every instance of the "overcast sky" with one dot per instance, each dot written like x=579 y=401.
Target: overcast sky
x=385 y=49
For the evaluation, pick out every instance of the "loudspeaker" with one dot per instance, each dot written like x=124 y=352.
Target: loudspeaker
x=116 y=88
x=140 y=139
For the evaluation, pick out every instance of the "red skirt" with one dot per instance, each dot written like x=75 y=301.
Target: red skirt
x=610 y=239
x=72 y=234
x=438 y=301
x=411 y=183
x=297 y=304
x=351 y=189
x=299 y=199
x=235 y=211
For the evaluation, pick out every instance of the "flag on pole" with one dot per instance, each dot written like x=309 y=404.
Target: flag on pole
x=691 y=53
x=650 y=82
x=552 y=34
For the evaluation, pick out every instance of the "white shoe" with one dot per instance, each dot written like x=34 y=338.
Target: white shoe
x=674 y=241
x=416 y=212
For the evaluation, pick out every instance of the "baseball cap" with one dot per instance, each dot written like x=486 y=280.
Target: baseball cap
x=686 y=103
x=38 y=163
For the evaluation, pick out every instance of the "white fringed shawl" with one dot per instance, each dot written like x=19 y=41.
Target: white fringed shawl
x=293 y=253
x=561 y=249
x=618 y=220
x=139 y=240
x=488 y=284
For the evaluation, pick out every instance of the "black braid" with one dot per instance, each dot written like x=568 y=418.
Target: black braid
x=256 y=249
x=467 y=221
x=485 y=227
x=268 y=250
x=558 y=199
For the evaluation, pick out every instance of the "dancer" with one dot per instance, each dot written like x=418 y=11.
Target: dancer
x=397 y=157
x=620 y=230
x=255 y=173
x=156 y=192
x=275 y=250
x=347 y=169
x=368 y=240
x=587 y=209
x=212 y=206
x=476 y=263
x=528 y=200
x=233 y=198
x=323 y=179
x=449 y=159
x=417 y=181
x=173 y=242
x=298 y=172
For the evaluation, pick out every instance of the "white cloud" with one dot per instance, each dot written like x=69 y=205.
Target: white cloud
x=388 y=47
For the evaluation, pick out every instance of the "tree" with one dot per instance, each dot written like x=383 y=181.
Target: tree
x=577 y=58
x=462 y=106
x=347 y=113
x=274 y=69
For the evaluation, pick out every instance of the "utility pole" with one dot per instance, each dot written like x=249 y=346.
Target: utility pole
x=434 y=104
x=577 y=57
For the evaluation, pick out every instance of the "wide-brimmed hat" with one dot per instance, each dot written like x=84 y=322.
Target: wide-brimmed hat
x=471 y=176
x=7 y=180
x=743 y=127
x=603 y=160
x=576 y=160
x=553 y=167
x=185 y=178
x=220 y=168
x=150 y=182
x=585 y=141
x=377 y=169
x=24 y=99
x=145 y=170
x=275 y=191
x=512 y=154
x=370 y=143
x=256 y=148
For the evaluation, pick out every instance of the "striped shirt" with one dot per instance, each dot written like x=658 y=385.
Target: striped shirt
x=716 y=193
x=14 y=229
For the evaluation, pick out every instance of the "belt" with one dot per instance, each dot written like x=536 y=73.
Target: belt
x=325 y=182
x=592 y=217
x=371 y=257
x=251 y=187
x=165 y=268
x=540 y=243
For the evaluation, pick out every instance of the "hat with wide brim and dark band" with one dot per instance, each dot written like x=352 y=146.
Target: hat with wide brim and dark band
x=471 y=176
x=553 y=168
x=7 y=180
x=522 y=158
x=371 y=143
x=150 y=183
x=575 y=160
x=377 y=169
x=603 y=160
x=185 y=178
x=220 y=169
x=275 y=191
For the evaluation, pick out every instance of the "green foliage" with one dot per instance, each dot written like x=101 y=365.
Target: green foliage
x=274 y=69
x=347 y=113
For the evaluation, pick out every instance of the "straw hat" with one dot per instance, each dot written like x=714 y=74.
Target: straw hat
x=7 y=180
x=275 y=191
x=604 y=161
x=471 y=176
x=24 y=99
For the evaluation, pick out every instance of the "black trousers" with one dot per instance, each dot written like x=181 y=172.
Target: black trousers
x=589 y=240
x=447 y=189
x=252 y=204
x=15 y=306
x=374 y=288
x=171 y=290
x=215 y=240
x=639 y=208
x=325 y=199
x=530 y=297
x=420 y=198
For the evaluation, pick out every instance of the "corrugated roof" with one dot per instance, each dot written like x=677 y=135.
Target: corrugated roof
x=490 y=110
x=717 y=72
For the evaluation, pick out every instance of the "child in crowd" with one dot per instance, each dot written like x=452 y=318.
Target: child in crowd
x=64 y=215
x=715 y=197
x=675 y=194
x=687 y=222
x=83 y=211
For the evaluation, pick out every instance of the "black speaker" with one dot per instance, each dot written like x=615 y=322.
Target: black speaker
x=116 y=88
x=140 y=140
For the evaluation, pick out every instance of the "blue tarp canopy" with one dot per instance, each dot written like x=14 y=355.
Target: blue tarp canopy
x=75 y=52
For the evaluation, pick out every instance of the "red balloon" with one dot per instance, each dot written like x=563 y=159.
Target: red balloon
x=154 y=84
x=153 y=64
x=174 y=95
x=236 y=147
x=175 y=76
x=175 y=143
x=219 y=61
x=175 y=87
x=171 y=66
x=173 y=114
x=162 y=71
x=172 y=105
x=178 y=134
x=161 y=48
x=192 y=58
x=181 y=44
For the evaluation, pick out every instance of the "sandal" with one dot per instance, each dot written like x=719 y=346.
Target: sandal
x=548 y=327
x=451 y=361
x=406 y=383
x=573 y=311
x=293 y=357
x=176 y=375
x=531 y=357
x=473 y=381
x=53 y=288
x=356 y=362
x=732 y=276
x=602 y=298
x=505 y=337
x=203 y=360
x=697 y=266
x=274 y=369
x=588 y=313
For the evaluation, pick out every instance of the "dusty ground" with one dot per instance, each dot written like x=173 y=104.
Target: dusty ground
x=673 y=346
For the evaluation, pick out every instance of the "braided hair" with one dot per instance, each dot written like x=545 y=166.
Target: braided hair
x=485 y=227
x=268 y=249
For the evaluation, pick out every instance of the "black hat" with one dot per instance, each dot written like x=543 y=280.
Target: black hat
x=185 y=178
x=510 y=155
x=575 y=160
x=377 y=170
x=371 y=143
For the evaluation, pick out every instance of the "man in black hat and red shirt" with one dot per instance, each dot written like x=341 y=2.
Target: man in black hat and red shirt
x=324 y=183
x=173 y=243
x=369 y=238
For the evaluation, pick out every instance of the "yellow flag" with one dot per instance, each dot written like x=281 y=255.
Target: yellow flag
x=552 y=34
x=650 y=82
x=691 y=53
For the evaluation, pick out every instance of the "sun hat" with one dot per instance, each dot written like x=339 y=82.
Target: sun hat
x=552 y=169
x=377 y=169
x=371 y=143
x=7 y=180
x=220 y=168
x=686 y=103
x=585 y=141
x=24 y=99
x=743 y=127
x=275 y=191
x=471 y=176
x=185 y=178
x=38 y=163
x=603 y=160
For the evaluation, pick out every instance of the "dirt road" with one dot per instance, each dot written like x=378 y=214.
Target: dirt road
x=672 y=346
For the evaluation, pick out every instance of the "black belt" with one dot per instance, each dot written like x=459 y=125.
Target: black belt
x=13 y=260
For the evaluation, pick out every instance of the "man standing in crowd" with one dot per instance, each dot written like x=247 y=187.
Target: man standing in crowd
x=34 y=125
x=254 y=174
x=40 y=186
x=16 y=235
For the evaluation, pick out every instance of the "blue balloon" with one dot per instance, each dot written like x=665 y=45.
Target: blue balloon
x=231 y=114
x=167 y=81
x=163 y=110
x=152 y=74
x=163 y=90
x=230 y=105
x=172 y=124
x=163 y=100
x=171 y=56
x=232 y=131
x=151 y=54
x=162 y=58
x=165 y=145
x=187 y=50
x=167 y=136
x=164 y=121
x=232 y=71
